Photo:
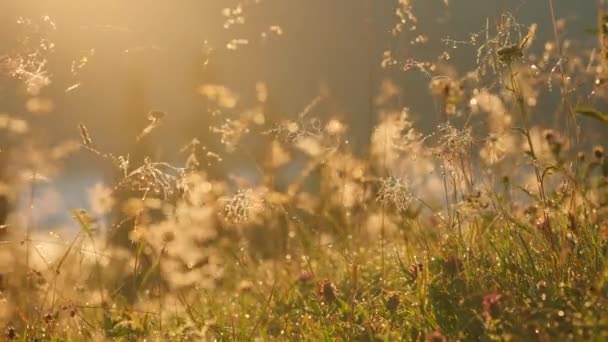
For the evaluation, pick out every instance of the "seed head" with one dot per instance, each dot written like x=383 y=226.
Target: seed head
x=328 y=291
x=581 y=156
x=395 y=192
x=598 y=152
x=11 y=333
x=392 y=302
x=168 y=236
x=84 y=135
x=549 y=135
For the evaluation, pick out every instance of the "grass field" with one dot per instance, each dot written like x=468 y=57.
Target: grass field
x=494 y=226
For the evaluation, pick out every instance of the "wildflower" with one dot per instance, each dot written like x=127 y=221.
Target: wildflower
x=392 y=302
x=328 y=291
x=490 y=303
x=305 y=277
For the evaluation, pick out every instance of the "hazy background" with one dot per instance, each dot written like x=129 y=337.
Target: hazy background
x=149 y=55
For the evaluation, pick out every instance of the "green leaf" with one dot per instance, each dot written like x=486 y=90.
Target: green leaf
x=592 y=112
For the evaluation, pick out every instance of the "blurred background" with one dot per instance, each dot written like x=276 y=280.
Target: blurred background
x=114 y=61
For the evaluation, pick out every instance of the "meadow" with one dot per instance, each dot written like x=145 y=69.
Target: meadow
x=492 y=224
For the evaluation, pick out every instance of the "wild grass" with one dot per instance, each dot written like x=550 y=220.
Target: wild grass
x=492 y=227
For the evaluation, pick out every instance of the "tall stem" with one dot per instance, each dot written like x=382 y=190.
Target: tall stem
x=572 y=125
x=519 y=98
